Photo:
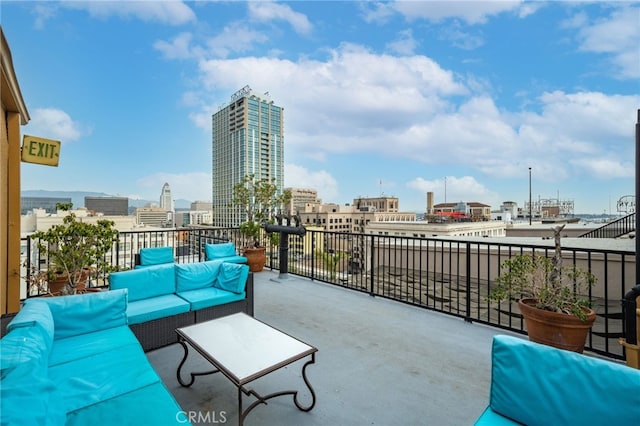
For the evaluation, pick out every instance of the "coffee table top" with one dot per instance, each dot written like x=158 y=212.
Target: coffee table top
x=244 y=348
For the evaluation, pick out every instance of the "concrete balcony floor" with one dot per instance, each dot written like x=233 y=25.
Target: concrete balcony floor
x=379 y=362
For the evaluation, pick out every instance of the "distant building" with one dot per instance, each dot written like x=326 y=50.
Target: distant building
x=247 y=139
x=548 y=208
x=201 y=205
x=354 y=218
x=112 y=206
x=166 y=200
x=300 y=197
x=450 y=229
x=27 y=204
x=461 y=211
x=153 y=216
x=381 y=204
x=193 y=217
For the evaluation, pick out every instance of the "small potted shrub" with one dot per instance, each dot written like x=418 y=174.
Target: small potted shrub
x=76 y=251
x=553 y=299
x=260 y=202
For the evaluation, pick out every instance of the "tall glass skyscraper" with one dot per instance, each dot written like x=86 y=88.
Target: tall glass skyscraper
x=247 y=139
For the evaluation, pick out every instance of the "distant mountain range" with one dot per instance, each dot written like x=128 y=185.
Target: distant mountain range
x=77 y=198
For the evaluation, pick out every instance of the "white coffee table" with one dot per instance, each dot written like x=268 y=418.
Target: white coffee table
x=245 y=349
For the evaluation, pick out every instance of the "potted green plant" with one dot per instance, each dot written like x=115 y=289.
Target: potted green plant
x=553 y=299
x=260 y=201
x=76 y=251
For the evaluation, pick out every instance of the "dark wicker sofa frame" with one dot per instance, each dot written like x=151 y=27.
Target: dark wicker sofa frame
x=161 y=332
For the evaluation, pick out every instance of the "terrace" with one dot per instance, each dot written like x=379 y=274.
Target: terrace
x=378 y=361
x=450 y=275
x=402 y=325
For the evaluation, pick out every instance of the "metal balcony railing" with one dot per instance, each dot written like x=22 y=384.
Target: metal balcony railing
x=448 y=275
x=613 y=229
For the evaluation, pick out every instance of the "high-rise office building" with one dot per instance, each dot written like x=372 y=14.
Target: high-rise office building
x=247 y=139
x=166 y=200
x=110 y=206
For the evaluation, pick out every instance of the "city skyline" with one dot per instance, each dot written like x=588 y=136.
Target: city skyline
x=380 y=98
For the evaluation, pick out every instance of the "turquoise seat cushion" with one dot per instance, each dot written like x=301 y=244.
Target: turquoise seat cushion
x=99 y=377
x=143 y=310
x=211 y=296
x=83 y=345
x=536 y=384
x=157 y=280
x=86 y=313
x=234 y=259
x=491 y=418
x=232 y=277
x=156 y=255
x=154 y=405
x=192 y=276
x=29 y=397
x=220 y=250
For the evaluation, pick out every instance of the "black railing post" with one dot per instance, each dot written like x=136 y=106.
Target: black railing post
x=467 y=317
x=371 y=268
x=637 y=195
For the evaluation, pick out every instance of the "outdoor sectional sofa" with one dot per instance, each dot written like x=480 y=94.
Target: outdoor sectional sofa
x=167 y=296
x=73 y=360
x=534 y=384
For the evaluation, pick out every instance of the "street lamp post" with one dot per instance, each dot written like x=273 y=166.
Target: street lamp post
x=530 y=208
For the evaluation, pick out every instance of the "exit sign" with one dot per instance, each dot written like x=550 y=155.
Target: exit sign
x=40 y=151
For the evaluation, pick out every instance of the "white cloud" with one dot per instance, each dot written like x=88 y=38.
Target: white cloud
x=188 y=186
x=179 y=48
x=166 y=12
x=52 y=123
x=618 y=36
x=472 y=12
x=236 y=37
x=410 y=108
x=300 y=177
x=404 y=44
x=267 y=11
x=454 y=189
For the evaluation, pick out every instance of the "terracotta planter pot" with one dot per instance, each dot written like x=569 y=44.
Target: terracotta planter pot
x=256 y=257
x=56 y=286
x=555 y=329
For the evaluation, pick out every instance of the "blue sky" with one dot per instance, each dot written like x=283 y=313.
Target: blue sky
x=394 y=98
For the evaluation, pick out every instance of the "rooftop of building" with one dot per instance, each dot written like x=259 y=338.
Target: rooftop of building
x=379 y=362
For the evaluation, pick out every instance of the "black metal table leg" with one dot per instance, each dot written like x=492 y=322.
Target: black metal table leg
x=193 y=375
x=242 y=414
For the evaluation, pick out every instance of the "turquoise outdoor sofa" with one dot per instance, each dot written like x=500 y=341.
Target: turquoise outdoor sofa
x=534 y=384
x=166 y=296
x=73 y=360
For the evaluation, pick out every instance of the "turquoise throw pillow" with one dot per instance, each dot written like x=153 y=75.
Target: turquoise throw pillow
x=156 y=255
x=192 y=276
x=232 y=277
x=144 y=283
x=220 y=250
x=86 y=313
